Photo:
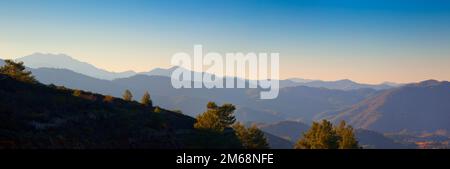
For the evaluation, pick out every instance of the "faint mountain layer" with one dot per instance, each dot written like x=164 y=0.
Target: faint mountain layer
x=40 y=60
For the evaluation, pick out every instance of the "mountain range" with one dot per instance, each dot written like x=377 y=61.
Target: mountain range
x=386 y=108
x=414 y=107
x=40 y=60
x=293 y=102
x=344 y=84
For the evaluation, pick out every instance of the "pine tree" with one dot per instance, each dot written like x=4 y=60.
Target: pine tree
x=324 y=136
x=319 y=136
x=17 y=71
x=127 y=96
x=347 y=138
x=226 y=116
x=251 y=138
x=209 y=120
x=216 y=118
x=146 y=100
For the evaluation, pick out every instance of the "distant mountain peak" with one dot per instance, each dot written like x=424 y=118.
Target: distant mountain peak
x=346 y=81
x=430 y=82
x=64 y=61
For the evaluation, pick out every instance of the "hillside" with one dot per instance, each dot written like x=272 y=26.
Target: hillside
x=415 y=107
x=373 y=140
x=41 y=116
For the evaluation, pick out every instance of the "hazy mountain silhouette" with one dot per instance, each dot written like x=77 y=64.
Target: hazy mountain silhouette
x=420 y=106
x=162 y=72
x=40 y=60
x=344 y=84
x=2 y=62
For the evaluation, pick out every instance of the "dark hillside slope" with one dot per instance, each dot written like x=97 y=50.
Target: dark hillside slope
x=40 y=116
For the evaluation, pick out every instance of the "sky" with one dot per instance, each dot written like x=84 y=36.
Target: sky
x=365 y=41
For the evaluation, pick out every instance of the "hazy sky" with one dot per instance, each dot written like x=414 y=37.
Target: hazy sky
x=366 y=41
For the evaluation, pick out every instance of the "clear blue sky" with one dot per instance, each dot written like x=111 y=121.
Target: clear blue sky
x=366 y=41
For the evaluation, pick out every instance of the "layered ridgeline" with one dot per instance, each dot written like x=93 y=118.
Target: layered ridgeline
x=33 y=115
x=418 y=107
x=294 y=103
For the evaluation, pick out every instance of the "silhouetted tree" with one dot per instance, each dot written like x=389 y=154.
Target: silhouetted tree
x=127 y=96
x=146 y=100
x=251 y=138
x=17 y=71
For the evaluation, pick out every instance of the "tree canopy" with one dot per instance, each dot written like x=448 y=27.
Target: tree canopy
x=146 y=100
x=216 y=118
x=251 y=138
x=17 y=71
x=127 y=96
x=324 y=136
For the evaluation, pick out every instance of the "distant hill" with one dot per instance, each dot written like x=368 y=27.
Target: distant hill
x=62 y=61
x=304 y=103
x=373 y=140
x=41 y=116
x=415 y=107
x=71 y=79
x=276 y=142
